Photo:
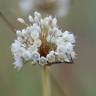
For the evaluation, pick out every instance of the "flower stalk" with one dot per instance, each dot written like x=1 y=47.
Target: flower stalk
x=46 y=81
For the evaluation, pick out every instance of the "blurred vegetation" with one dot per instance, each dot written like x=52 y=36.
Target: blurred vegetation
x=78 y=79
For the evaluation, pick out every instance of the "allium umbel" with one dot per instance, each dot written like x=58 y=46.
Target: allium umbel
x=42 y=42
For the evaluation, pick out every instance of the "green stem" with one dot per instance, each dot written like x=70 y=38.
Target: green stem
x=46 y=81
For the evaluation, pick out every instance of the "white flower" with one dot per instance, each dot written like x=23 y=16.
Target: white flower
x=37 y=42
x=60 y=49
x=24 y=33
x=51 y=57
x=33 y=49
x=50 y=19
x=47 y=21
x=66 y=59
x=51 y=39
x=20 y=20
x=73 y=55
x=37 y=14
x=67 y=40
x=53 y=34
x=42 y=61
x=39 y=38
x=69 y=48
x=68 y=37
x=34 y=34
x=21 y=50
x=27 y=55
x=56 y=32
x=20 y=39
x=18 y=33
x=35 y=31
x=30 y=18
x=54 y=22
x=15 y=46
x=35 y=56
x=37 y=17
x=42 y=23
x=60 y=57
x=17 y=51
x=67 y=51
x=36 y=27
x=36 y=20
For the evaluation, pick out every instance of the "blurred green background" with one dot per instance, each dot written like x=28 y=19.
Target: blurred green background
x=78 y=79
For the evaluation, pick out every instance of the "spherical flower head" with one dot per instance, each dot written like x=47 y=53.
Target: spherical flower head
x=42 y=42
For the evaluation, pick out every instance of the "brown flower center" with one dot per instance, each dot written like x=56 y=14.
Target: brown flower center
x=44 y=48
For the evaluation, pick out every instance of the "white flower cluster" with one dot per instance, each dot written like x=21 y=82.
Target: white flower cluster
x=28 y=42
